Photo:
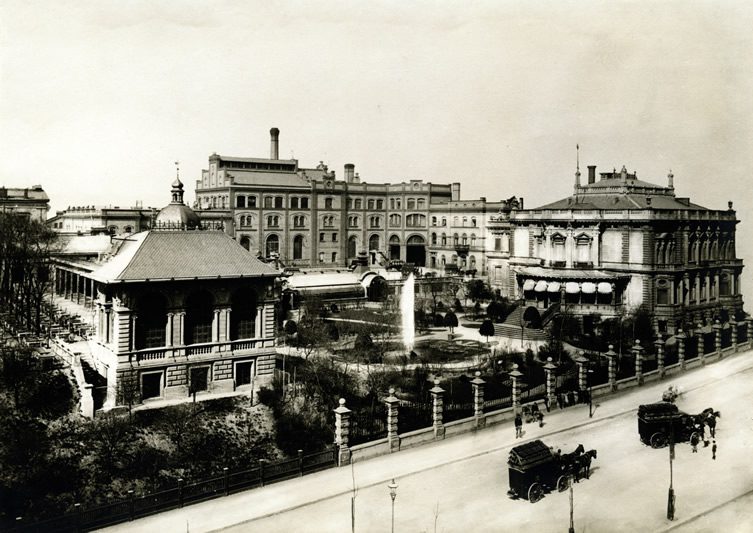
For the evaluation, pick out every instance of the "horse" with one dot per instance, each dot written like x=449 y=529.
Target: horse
x=584 y=463
x=569 y=460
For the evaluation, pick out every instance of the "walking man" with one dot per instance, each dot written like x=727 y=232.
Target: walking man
x=518 y=426
x=713 y=450
x=540 y=416
x=711 y=422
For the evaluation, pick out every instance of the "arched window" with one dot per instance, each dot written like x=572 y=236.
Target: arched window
x=464 y=239
x=328 y=203
x=151 y=321
x=279 y=202
x=444 y=221
x=473 y=221
x=199 y=318
x=293 y=202
x=352 y=245
x=297 y=247
x=374 y=243
x=128 y=229
x=395 y=220
x=370 y=203
x=433 y=239
x=268 y=202
x=358 y=203
x=443 y=261
x=473 y=240
x=273 y=245
x=455 y=221
x=243 y=314
x=415 y=220
x=455 y=239
x=421 y=203
x=433 y=221
x=465 y=221
x=444 y=239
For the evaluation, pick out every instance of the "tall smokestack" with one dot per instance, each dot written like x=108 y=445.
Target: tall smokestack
x=591 y=174
x=350 y=169
x=274 y=148
x=670 y=180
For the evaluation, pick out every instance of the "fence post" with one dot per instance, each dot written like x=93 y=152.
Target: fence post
x=732 y=332
x=261 y=472
x=180 y=491
x=478 y=400
x=79 y=518
x=392 y=407
x=226 y=476
x=680 y=336
x=342 y=430
x=130 y=505
x=549 y=367
x=718 y=338
x=515 y=374
x=749 y=336
x=659 y=343
x=437 y=409
x=581 y=360
x=612 y=369
x=701 y=344
x=300 y=463
x=637 y=350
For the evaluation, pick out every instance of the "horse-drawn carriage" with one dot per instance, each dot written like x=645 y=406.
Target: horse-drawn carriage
x=658 y=422
x=535 y=469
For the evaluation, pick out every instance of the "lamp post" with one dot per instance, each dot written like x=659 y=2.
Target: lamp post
x=671 y=493
x=572 y=524
x=393 y=494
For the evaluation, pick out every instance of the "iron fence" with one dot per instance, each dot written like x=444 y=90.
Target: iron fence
x=457 y=411
x=368 y=424
x=414 y=415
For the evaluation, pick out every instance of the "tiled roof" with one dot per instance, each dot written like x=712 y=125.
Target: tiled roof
x=620 y=201
x=152 y=255
x=255 y=177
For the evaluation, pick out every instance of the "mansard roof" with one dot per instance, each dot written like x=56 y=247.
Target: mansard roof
x=175 y=255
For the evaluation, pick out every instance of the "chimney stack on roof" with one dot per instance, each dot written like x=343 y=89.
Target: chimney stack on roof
x=591 y=174
x=349 y=172
x=357 y=178
x=671 y=180
x=274 y=149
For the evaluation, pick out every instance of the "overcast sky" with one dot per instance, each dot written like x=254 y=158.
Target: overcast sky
x=98 y=99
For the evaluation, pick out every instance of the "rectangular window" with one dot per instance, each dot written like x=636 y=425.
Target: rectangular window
x=334 y=237
x=370 y=204
x=294 y=203
x=380 y=204
x=498 y=244
x=304 y=203
x=334 y=257
x=199 y=379
x=268 y=202
x=252 y=201
x=151 y=385
x=244 y=372
x=278 y=202
x=321 y=237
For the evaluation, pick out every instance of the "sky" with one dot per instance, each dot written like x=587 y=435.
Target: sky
x=99 y=99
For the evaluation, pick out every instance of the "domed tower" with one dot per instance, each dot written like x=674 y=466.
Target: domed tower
x=177 y=215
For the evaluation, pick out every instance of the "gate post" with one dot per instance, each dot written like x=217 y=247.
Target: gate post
x=478 y=400
x=612 y=370
x=437 y=409
x=701 y=344
x=718 y=338
x=637 y=350
x=733 y=332
x=342 y=430
x=549 y=368
x=581 y=360
x=392 y=406
x=515 y=374
x=680 y=336
x=659 y=343
x=749 y=335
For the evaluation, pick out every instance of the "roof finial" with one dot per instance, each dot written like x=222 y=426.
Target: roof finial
x=577 y=167
x=177 y=169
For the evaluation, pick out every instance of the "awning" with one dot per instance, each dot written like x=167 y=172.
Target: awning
x=337 y=292
x=540 y=286
x=588 y=288
x=572 y=288
x=528 y=285
x=554 y=286
x=604 y=288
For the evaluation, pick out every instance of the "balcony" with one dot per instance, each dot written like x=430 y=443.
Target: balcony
x=171 y=353
x=462 y=250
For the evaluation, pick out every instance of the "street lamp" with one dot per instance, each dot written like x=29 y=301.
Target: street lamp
x=671 y=493
x=572 y=524
x=393 y=494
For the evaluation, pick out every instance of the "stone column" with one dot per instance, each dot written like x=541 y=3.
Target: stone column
x=227 y=324
x=259 y=324
x=478 y=400
x=216 y=326
x=134 y=316
x=700 y=343
x=659 y=344
x=182 y=328
x=680 y=336
x=169 y=332
x=549 y=367
x=612 y=370
x=437 y=409
x=342 y=431
x=515 y=374
x=733 y=332
x=582 y=361
x=637 y=350
x=392 y=406
x=718 y=338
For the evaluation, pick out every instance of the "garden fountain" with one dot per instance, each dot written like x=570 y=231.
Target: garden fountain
x=407 y=306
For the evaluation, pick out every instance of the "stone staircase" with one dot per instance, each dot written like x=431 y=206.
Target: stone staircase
x=510 y=328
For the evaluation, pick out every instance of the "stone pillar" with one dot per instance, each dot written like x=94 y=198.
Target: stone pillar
x=259 y=324
x=582 y=361
x=392 y=406
x=733 y=332
x=700 y=343
x=478 y=400
x=182 y=328
x=680 y=336
x=227 y=324
x=516 y=375
x=549 y=367
x=637 y=350
x=437 y=409
x=169 y=330
x=659 y=344
x=133 y=331
x=718 y=338
x=342 y=432
x=216 y=326
x=612 y=370
x=749 y=321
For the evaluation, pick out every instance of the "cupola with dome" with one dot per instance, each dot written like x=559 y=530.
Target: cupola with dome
x=177 y=215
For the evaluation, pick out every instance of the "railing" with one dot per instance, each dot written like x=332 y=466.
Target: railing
x=133 y=507
x=199 y=349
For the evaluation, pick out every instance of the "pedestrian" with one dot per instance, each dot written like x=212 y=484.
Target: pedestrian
x=546 y=403
x=713 y=451
x=560 y=402
x=540 y=416
x=694 y=440
x=518 y=426
x=711 y=422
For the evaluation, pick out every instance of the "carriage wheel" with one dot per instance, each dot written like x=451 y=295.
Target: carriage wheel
x=563 y=483
x=658 y=440
x=535 y=492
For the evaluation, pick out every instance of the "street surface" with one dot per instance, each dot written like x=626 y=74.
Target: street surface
x=460 y=484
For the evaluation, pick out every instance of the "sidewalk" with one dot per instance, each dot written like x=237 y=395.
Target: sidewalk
x=277 y=498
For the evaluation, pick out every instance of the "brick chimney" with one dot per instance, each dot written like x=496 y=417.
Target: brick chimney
x=274 y=148
x=591 y=174
x=349 y=172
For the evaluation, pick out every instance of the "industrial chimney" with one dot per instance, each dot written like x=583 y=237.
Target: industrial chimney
x=591 y=174
x=670 y=180
x=349 y=172
x=274 y=148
